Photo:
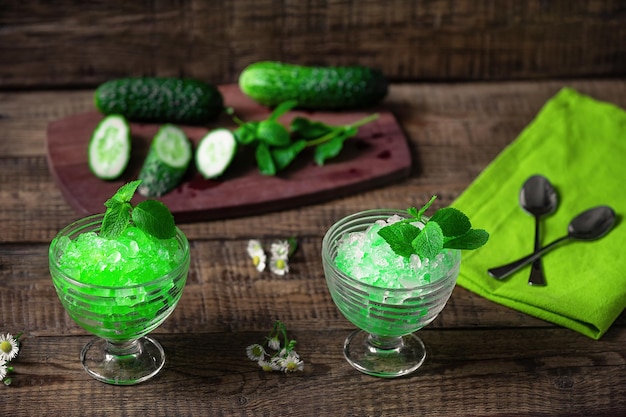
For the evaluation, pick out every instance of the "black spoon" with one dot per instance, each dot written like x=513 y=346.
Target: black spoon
x=588 y=225
x=538 y=197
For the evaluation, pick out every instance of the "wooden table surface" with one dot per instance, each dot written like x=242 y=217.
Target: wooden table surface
x=483 y=359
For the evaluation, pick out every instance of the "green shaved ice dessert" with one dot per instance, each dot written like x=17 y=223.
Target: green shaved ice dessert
x=121 y=273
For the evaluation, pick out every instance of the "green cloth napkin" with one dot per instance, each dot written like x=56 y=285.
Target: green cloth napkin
x=579 y=144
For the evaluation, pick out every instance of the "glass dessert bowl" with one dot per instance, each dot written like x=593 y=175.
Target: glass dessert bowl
x=119 y=293
x=388 y=298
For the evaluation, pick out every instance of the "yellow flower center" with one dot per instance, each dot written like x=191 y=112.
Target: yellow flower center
x=256 y=260
x=280 y=264
x=6 y=346
x=292 y=366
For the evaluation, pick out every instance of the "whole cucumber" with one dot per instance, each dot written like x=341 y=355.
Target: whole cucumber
x=325 y=88
x=160 y=100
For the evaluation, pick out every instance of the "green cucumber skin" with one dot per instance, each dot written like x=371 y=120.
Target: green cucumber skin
x=158 y=177
x=317 y=88
x=160 y=100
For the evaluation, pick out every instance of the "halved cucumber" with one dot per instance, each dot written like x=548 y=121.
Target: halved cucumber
x=166 y=162
x=215 y=152
x=109 y=147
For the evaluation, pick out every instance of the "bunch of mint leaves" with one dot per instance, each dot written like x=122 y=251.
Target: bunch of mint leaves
x=151 y=216
x=277 y=146
x=447 y=228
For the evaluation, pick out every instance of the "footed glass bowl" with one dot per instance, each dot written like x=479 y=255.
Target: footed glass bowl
x=385 y=345
x=121 y=316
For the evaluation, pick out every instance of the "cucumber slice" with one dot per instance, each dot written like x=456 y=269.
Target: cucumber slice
x=166 y=163
x=109 y=147
x=215 y=152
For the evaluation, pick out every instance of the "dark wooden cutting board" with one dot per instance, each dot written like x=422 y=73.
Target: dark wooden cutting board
x=378 y=155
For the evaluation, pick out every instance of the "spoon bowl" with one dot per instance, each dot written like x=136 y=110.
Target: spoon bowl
x=588 y=225
x=538 y=197
x=592 y=224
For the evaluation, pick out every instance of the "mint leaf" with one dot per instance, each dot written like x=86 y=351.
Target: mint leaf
x=264 y=160
x=284 y=156
x=333 y=147
x=429 y=242
x=472 y=239
x=116 y=218
x=308 y=129
x=124 y=194
x=246 y=133
x=153 y=217
x=452 y=221
x=328 y=150
x=282 y=108
x=399 y=237
x=273 y=133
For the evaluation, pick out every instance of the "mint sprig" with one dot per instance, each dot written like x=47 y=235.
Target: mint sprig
x=151 y=216
x=448 y=228
x=277 y=145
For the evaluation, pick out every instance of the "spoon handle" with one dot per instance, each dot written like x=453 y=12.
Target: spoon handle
x=504 y=271
x=537 y=278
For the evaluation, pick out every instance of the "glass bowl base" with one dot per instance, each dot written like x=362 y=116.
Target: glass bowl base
x=123 y=363
x=385 y=357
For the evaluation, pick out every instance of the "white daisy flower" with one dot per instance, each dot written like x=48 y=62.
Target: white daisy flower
x=269 y=366
x=254 y=247
x=280 y=250
x=279 y=266
x=255 y=251
x=259 y=262
x=8 y=347
x=292 y=362
x=255 y=352
x=3 y=369
x=273 y=343
x=284 y=359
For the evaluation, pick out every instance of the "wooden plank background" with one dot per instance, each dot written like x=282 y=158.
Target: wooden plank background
x=484 y=359
x=72 y=43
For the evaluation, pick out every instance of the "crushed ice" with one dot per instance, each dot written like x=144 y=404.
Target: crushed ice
x=366 y=256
